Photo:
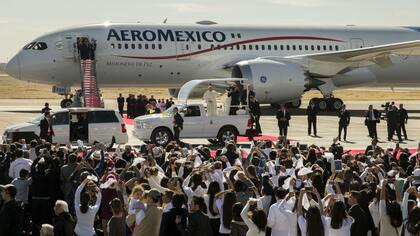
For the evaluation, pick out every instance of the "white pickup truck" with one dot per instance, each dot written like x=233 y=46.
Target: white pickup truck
x=158 y=128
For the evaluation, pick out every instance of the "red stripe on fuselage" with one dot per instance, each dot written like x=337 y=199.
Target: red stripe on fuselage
x=233 y=44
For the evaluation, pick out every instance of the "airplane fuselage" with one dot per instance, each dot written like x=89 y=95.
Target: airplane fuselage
x=170 y=55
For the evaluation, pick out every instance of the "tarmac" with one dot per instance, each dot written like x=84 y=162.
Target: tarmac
x=14 y=111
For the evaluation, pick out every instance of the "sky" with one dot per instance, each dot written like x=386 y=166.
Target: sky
x=21 y=21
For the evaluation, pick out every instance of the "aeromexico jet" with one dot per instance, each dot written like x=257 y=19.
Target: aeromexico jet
x=280 y=63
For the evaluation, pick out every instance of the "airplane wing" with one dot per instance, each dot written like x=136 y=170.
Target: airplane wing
x=332 y=63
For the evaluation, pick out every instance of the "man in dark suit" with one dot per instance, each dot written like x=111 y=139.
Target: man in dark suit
x=374 y=147
x=168 y=226
x=235 y=96
x=198 y=222
x=120 y=101
x=311 y=112
x=360 y=227
x=372 y=117
x=178 y=124
x=403 y=119
x=343 y=122
x=283 y=117
x=46 y=130
x=393 y=123
x=46 y=108
x=254 y=108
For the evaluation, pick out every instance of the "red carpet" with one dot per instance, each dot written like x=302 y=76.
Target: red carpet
x=128 y=121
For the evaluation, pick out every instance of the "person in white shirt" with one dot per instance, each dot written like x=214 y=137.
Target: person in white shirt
x=339 y=223
x=210 y=97
x=276 y=218
x=256 y=226
x=212 y=211
x=20 y=163
x=313 y=221
x=390 y=214
x=197 y=187
x=85 y=213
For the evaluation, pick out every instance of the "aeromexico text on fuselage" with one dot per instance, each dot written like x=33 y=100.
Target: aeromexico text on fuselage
x=166 y=35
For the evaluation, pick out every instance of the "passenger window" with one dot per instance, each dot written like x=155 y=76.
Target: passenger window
x=318 y=48
x=160 y=46
x=294 y=47
x=312 y=47
x=102 y=117
x=146 y=46
x=336 y=47
x=269 y=47
x=275 y=47
x=250 y=47
x=238 y=47
x=306 y=48
x=331 y=48
x=244 y=47
x=119 y=46
x=198 y=46
x=192 y=111
x=256 y=47
x=225 y=47
x=112 y=45
x=153 y=46
x=287 y=47
x=300 y=47
x=133 y=46
x=139 y=45
x=325 y=48
x=231 y=47
x=262 y=47
x=281 y=47
x=61 y=118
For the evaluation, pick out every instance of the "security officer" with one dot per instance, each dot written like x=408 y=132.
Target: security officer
x=403 y=119
x=393 y=123
x=283 y=117
x=120 y=101
x=254 y=108
x=46 y=108
x=46 y=130
x=372 y=117
x=343 y=122
x=235 y=95
x=178 y=124
x=311 y=112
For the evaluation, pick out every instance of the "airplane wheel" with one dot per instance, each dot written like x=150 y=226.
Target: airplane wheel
x=322 y=104
x=336 y=104
x=66 y=103
x=295 y=104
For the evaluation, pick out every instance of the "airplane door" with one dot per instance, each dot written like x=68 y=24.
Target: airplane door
x=356 y=43
x=69 y=46
x=183 y=50
x=61 y=128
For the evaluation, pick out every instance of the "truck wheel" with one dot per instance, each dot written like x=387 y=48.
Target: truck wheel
x=227 y=134
x=161 y=136
x=66 y=103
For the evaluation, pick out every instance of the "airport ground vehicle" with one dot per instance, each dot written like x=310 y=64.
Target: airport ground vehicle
x=70 y=125
x=158 y=128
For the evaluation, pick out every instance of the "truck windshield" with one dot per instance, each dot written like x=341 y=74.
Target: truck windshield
x=37 y=119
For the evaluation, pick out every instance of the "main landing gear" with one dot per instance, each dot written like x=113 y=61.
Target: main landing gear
x=328 y=103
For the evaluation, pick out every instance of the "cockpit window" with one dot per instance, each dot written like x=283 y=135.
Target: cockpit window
x=29 y=46
x=40 y=46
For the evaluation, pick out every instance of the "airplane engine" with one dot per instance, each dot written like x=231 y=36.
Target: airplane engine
x=273 y=81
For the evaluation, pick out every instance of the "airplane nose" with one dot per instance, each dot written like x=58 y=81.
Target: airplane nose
x=13 y=67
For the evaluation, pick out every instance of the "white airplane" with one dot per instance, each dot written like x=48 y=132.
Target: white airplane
x=282 y=63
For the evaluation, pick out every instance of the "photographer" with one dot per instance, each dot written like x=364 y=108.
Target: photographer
x=84 y=211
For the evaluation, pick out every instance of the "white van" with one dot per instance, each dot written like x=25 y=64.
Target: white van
x=72 y=124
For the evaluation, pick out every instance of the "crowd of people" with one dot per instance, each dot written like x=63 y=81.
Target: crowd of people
x=271 y=189
x=142 y=105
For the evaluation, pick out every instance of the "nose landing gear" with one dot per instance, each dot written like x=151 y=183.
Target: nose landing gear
x=328 y=103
